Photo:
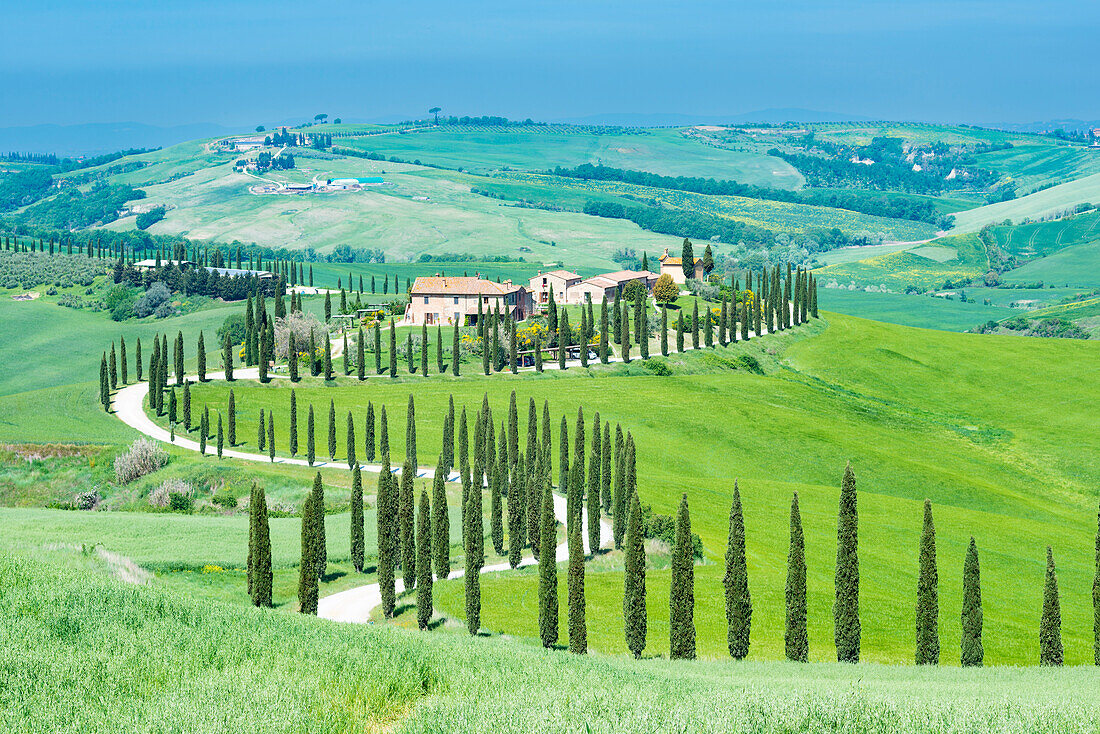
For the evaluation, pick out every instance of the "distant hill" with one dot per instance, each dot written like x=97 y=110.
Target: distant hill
x=102 y=137
x=663 y=119
x=1046 y=126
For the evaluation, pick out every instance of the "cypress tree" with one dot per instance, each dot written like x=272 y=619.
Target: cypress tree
x=260 y=586
x=517 y=521
x=643 y=329
x=603 y=331
x=358 y=547
x=680 y=332
x=386 y=546
x=138 y=365
x=271 y=437
x=582 y=341
x=292 y=357
x=448 y=453
x=563 y=338
x=496 y=509
x=393 y=350
x=928 y=603
x=664 y=330
x=722 y=318
x=439 y=349
x=187 y=406
x=328 y=307
x=592 y=488
x=575 y=494
x=681 y=618
x=232 y=413
x=328 y=358
x=293 y=438
x=122 y=359
x=972 y=652
x=179 y=358
x=795 y=641
x=695 y=325
x=344 y=357
x=548 y=571
x=307 y=568
x=312 y=354
x=846 y=607
x=423 y=350
x=409 y=352
x=1096 y=599
x=624 y=333
x=227 y=359
x=204 y=428
x=368 y=430
x=1050 y=626
x=441 y=524
x=360 y=357
x=172 y=413
x=406 y=524
x=424 y=562
x=563 y=457
x=319 y=535
x=377 y=348
x=578 y=629
x=105 y=387
x=605 y=469
x=513 y=356
x=538 y=354
x=475 y=558
x=708 y=329
x=736 y=582
x=634 y=609
x=311 y=453
x=351 y=442
x=113 y=368
x=618 y=502
x=221 y=436
x=455 y=351
x=201 y=357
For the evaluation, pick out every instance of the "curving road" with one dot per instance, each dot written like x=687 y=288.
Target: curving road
x=352 y=605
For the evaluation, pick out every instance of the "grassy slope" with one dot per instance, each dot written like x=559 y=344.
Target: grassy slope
x=667 y=152
x=920 y=414
x=1078 y=265
x=1047 y=201
x=896 y=270
x=921 y=311
x=84 y=653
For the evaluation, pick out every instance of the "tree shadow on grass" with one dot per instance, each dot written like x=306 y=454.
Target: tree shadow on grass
x=330 y=577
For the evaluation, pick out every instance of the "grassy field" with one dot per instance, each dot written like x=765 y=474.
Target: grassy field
x=1042 y=203
x=1073 y=266
x=912 y=310
x=664 y=151
x=90 y=654
x=896 y=270
x=919 y=413
x=1041 y=239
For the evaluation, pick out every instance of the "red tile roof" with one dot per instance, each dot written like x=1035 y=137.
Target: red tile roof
x=446 y=285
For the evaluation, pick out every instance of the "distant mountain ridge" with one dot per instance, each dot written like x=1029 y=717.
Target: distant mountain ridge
x=775 y=115
x=102 y=137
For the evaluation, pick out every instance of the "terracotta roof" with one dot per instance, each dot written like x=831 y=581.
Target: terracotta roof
x=440 y=285
x=562 y=274
x=666 y=260
x=600 y=281
x=621 y=276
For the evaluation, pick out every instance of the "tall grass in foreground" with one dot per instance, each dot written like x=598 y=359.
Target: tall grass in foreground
x=79 y=652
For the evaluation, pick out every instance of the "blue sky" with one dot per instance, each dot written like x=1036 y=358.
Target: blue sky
x=238 y=62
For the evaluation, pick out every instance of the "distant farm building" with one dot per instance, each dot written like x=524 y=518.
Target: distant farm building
x=674 y=267
x=452 y=300
x=570 y=289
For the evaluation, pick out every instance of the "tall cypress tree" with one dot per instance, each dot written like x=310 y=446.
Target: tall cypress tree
x=386 y=545
x=439 y=349
x=578 y=629
x=204 y=428
x=232 y=418
x=681 y=617
x=138 y=365
x=441 y=523
x=393 y=350
x=292 y=356
x=548 y=571
x=455 y=351
x=634 y=609
x=424 y=562
x=618 y=526
x=122 y=360
x=260 y=586
x=972 y=652
x=227 y=358
x=113 y=368
x=592 y=489
x=846 y=607
x=736 y=582
x=311 y=453
x=475 y=558
x=319 y=534
x=680 y=332
x=603 y=331
x=293 y=437
x=271 y=437
x=351 y=442
x=360 y=356
x=1050 y=626
x=358 y=546
x=664 y=330
x=368 y=430
x=563 y=338
x=201 y=357
x=328 y=358
x=307 y=574
x=605 y=469
x=496 y=508
x=928 y=602
x=795 y=640
x=406 y=524
x=187 y=406
x=221 y=436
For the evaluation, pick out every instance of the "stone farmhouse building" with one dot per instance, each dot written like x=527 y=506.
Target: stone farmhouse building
x=674 y=267
x=450 y=300
x=570 y=289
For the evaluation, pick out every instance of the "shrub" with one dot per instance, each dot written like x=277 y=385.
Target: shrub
x=162 y=495
x=180 y=503
x=233 y=326
x=87 y=500
x=302 y=324
x=750 y=363
x=658 y=367
x=157 y=295
x=665 y=290
x=225 y=498
x=143 y=457
x=149 y=218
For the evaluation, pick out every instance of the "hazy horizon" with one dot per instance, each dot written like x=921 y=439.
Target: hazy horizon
x=243 y=62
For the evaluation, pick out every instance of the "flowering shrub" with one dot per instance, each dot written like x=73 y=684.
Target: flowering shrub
x=162 y=495
x=143 y=457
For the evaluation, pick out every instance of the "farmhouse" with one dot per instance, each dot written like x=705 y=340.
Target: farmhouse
x=451 y=300
x=673 y=266
x=570 y=289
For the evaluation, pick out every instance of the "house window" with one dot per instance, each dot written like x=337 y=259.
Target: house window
x=456 y=300
x=425 y=300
